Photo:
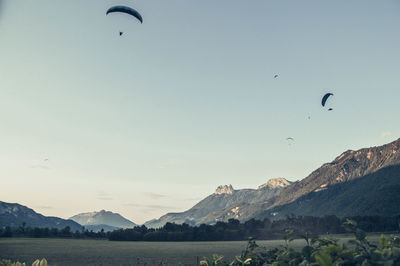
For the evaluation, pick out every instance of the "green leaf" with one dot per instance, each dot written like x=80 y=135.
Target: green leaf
x=247 y=262
x=43 y=262
x=239 y=259
x=383 y=242
x=323 y=259
x=202 y=263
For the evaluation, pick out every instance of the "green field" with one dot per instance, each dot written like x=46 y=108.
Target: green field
x=103 y=252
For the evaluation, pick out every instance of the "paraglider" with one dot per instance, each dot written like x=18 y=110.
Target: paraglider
x=126 y=10
x=330 y=109
x=290 y=140
x=325 y=98
x=275 y=76
x=120 y=33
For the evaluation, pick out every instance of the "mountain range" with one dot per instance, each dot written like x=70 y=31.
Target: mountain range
x=362 y=182
x=14 y=215
x=224 y=198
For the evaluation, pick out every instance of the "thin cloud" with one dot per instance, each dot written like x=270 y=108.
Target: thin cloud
x=44 y=207
x=194 y=199
x=168 y=165
x=386 y=134
x=150 y=206
x=102 y=195
x=155 y=195
x=104 y=198
x=40 y=166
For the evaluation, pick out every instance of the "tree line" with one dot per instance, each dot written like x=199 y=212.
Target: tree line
x=221 y=231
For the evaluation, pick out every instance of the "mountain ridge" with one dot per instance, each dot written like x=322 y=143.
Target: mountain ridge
x=14 y=214
x=349 y=165
x=352 y=198
x=224 y=197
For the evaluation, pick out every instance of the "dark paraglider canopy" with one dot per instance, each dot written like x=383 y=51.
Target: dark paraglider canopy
x=126 y=10
x=275 y=76
x=120 y=33
x=330 y=109
x=325 y=98
x=289 y=138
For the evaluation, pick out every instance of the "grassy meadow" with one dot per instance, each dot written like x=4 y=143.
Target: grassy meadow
x=104 y=252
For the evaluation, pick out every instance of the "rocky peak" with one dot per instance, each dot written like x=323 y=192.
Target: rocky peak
x=224 y=190
x=276 y=183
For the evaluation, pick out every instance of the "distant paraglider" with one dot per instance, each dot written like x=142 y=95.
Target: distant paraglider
x=290 y=140
x=120 y=33
x=126 y=10
x=276 y=76
x=325 y=98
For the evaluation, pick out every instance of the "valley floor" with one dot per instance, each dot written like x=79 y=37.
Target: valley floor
x=104 y=252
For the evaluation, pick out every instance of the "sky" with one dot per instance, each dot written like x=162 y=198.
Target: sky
x=154 y=120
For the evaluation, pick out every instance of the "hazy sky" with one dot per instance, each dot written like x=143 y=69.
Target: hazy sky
x=154 y=120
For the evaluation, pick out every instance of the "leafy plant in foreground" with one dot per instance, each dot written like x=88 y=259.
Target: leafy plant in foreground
x=321 y=252
x=42 y=262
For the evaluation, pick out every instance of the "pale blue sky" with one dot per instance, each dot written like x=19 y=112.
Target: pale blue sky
x=153 y=121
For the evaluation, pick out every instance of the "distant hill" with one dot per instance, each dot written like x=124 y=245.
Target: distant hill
x=13 y=215
x=104 y=218
x=225 y=197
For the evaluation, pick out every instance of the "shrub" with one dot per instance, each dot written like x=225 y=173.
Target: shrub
x=320 y=252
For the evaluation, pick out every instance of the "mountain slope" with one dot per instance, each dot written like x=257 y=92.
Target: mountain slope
x=13 y=214
x=374 y=194
x=349 y=166
x=225 y=197
x=102 y=218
